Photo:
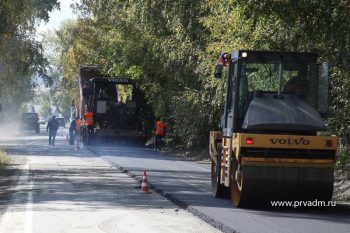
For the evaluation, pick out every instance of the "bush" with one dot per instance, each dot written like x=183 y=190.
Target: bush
x=4 y=159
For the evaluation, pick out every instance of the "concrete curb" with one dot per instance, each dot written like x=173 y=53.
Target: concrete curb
x=343 y=203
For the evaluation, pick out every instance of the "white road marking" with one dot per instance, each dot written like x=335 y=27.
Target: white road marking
x=13 y=220
x=28 y=226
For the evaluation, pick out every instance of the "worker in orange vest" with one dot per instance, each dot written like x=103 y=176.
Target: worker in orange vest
x=159 y=133
x=89 y=121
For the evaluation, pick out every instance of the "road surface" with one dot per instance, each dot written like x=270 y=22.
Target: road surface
x=59 y=189
x=189 y=184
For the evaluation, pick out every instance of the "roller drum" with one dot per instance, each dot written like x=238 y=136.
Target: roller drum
x=262 y=184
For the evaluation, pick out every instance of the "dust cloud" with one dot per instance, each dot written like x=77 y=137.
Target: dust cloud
x=9 y=121
x=9 y=130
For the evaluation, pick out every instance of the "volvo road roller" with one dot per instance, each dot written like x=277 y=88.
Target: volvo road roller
x=272 y=144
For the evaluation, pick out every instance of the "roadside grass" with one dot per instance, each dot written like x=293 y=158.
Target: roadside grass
x=4 y=159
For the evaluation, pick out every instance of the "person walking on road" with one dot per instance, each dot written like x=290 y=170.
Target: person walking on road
x=52 y=127
x=159 y=134
x=77 y=130
x=72 y=131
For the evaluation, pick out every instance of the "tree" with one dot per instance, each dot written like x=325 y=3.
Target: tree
x=21 y=56
x=310 y=26
x=170 y=48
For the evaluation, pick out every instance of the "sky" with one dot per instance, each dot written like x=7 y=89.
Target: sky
x=57 y=16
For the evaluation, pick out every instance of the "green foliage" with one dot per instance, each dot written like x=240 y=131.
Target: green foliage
x=20 y=55
x=62 y=83
x=170 y=48
x=45 y=111
x=5 y=159
x=343 y=158
x=314 y=26
x=155 y=42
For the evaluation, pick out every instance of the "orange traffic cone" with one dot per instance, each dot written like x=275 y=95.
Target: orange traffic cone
x=78 y=146
x=144 y=184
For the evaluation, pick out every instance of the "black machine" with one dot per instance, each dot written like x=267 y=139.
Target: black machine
x=116 y=104
x=29 y=121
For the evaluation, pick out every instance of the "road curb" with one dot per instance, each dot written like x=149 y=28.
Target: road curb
x=344 y=203
x=170 y=197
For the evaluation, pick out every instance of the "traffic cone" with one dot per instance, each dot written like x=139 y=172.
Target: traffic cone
x=144 y=184
x=78 y=146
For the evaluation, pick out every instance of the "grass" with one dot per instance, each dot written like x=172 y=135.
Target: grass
x=4 y=159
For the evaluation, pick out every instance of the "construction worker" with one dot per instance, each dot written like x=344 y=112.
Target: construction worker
x=292 y=84
x=297 y=85
x=72 y=130
x=52 y=127
x=89 y=121
x=159 y=134
x=77 y=131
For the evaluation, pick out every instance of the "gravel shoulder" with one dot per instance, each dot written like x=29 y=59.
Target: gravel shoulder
x=342 y=186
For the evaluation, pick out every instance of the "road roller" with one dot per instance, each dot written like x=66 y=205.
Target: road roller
x=271 y=143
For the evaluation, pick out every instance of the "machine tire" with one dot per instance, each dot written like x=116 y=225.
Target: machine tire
x=235 y=189
x=219 y=190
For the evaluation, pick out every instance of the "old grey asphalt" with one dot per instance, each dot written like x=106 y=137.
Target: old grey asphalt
x=59 y=189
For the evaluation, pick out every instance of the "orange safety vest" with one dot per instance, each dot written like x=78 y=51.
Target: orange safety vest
x=160 y=128
x=78 y=124
x=89 y=120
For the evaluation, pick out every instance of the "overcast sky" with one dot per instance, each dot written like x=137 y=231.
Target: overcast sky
x=57 y=16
